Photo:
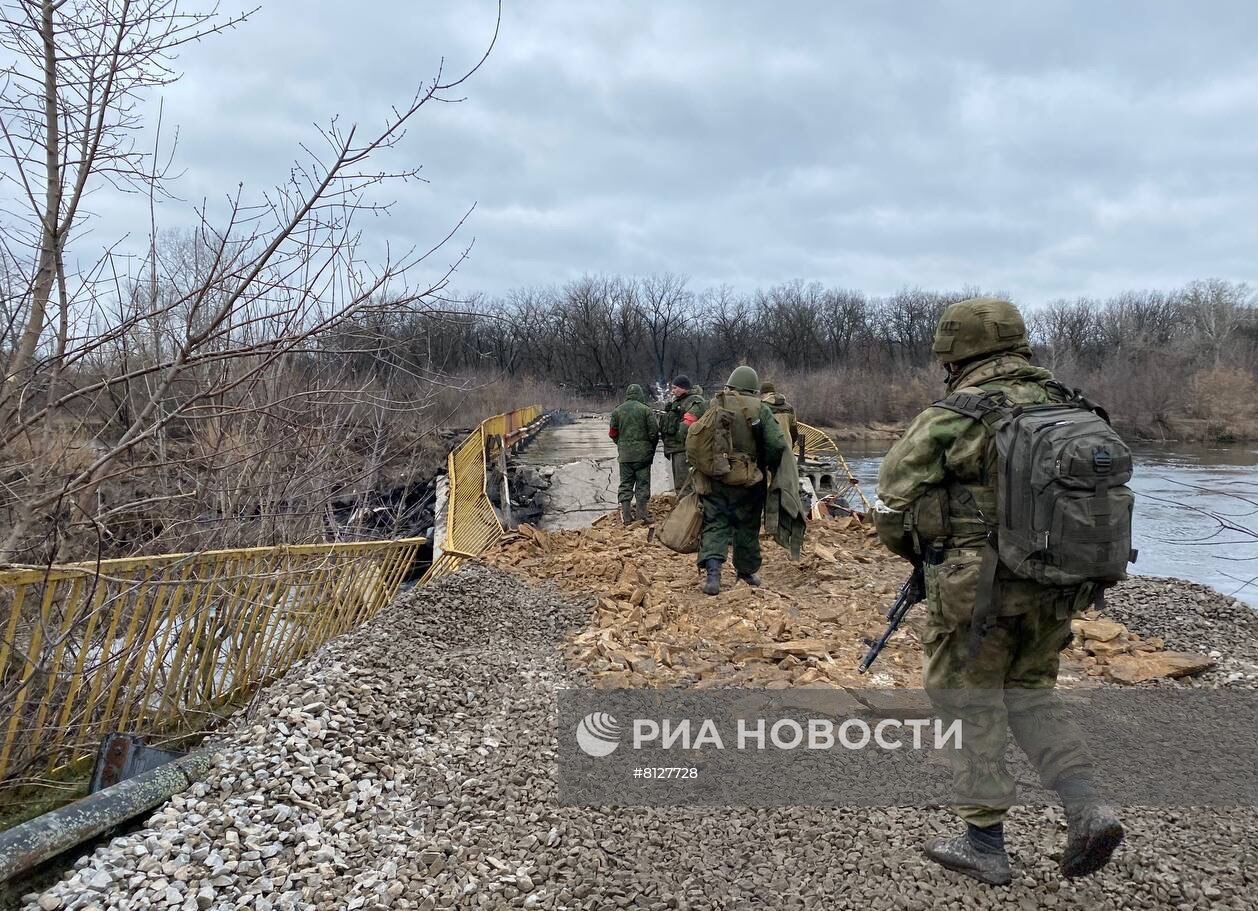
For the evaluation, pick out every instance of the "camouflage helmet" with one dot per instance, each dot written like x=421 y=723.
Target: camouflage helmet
x=766 y=387
x=978 y=326
x=744 y=379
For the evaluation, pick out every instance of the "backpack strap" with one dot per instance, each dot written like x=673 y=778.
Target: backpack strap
x=1075 y=397
x=750 y=409
x=987 y=407
x=991 y=409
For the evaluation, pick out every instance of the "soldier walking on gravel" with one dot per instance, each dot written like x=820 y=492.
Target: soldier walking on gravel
x=636 y=432
x=685 y=408
x=993 y=637
x=732 y=448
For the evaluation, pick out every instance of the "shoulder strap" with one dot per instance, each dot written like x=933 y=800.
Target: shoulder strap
x=988 y=407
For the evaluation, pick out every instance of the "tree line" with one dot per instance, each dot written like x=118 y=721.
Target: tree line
x=1153 y=357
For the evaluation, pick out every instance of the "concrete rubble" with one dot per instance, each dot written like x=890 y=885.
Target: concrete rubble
x=806 y=627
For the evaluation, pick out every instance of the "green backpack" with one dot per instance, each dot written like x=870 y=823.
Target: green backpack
x=1062 y=502
x=723 y=444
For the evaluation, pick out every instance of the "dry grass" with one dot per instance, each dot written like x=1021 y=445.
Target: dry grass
x=849 y=395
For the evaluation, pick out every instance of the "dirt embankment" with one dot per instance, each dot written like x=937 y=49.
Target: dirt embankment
x=876 y=432
x=1190 y=430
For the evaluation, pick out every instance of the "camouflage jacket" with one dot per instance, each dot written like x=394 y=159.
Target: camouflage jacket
x=941 y=472
x=678 y=416
x=779 y=406
x=634 y=428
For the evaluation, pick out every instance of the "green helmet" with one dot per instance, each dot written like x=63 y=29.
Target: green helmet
x=766 y=387
x=744 y=379
x=981 y=325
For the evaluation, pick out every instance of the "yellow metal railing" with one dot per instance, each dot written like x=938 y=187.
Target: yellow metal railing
x=471 y=521
x=158 y=643
x=818 y=445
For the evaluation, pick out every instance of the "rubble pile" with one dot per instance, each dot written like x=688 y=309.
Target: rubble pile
x=1106 y=648
x=652 y=626
x=807 y=626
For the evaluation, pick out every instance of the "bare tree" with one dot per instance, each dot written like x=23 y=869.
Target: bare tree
x=668 y=309
x=70 y=115
x=1218 y=311
x=194 y=338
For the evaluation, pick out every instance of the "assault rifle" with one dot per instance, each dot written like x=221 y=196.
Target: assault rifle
x=912 y=591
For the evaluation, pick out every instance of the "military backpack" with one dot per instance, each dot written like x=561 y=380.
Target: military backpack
x=1062 y=502
x=723 y=444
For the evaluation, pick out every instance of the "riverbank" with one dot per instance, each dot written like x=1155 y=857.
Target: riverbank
x=1175 y=430
x=411 y=765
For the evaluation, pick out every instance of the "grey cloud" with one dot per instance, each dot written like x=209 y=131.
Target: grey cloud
x=1048 y=149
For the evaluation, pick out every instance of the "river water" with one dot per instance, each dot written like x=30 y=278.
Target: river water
x=1187 y=495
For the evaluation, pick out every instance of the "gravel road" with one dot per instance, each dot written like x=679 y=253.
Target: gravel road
x=410 y=765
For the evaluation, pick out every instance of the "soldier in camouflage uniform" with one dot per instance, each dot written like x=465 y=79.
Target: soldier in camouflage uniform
x=685 y=408
x=936 y=494
x=732 y=515
x=636 y=432
x=779 y=406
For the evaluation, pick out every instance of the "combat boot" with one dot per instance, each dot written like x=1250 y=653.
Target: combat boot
x=626 y=512
x=752 y=579
x=963 y=854
x=644 y=510
x=712 y=585
x=1093 y=832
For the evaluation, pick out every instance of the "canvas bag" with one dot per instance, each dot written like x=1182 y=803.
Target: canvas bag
x=684 y=525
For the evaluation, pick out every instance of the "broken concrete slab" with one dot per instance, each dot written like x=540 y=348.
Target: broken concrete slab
x=1100 y=630
x=584 y=472
x=1144 y=666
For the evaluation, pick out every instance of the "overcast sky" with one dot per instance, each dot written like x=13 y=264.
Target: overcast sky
x=1047 y=149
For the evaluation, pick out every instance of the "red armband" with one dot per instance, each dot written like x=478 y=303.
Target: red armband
x=688 y=418
x=613 y=432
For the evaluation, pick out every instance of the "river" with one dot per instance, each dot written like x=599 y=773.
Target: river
x=1185 y=496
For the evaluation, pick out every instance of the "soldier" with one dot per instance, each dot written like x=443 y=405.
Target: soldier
x=636 y=432
x=991 y=639
x=785 y=414
x=732 y=514
x=685 y=408
x=782 y=409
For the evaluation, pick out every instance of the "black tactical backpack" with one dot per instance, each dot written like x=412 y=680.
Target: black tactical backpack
x=1063 y=507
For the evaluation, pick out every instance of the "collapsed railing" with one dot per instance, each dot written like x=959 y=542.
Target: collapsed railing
x=472 y=523
x=160 y=644
x=826 y=467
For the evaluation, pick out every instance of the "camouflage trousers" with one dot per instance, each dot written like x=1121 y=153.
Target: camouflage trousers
x=635 y=480
x=681 y=470
x=732 y=515
x=1008 y=686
